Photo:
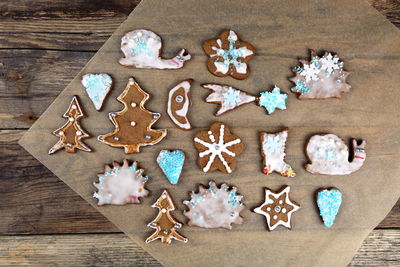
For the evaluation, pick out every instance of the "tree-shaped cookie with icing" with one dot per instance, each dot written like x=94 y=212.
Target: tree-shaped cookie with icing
x=229 y=98
x=142 y=50
x=278 y=208
x=228 y=55
x=164 y=223
x=71 y=132
x=214 y=207
x=218 y=148
x=321 y=77
x=133 y=123
x=121 y=184
x=273 y=147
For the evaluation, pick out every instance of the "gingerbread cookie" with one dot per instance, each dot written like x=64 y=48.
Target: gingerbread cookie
x=214 y=207
x=71 y=132
x=171 y=163
x=229 y=56
x=322 y=77
x=142 y=50
x=230 y=98
x=121 y=184
x=164 y=223
x=133 y=123
x=329 y=201
x=273 y=151
x=218 y=148
x=179 y=103
x=278 y=208
x=97 y=87
x=329 y=155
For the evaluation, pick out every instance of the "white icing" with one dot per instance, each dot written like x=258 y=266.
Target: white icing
x=268 y=200
x=219 y=96
x=184 y=110
x=97 y=87
x=142 y=49
x=216 y=149
x=332 y=157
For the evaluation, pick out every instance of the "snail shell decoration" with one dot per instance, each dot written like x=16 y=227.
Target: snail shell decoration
x=142 y=49
x=329 y=155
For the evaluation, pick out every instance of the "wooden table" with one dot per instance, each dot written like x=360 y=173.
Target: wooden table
x=43 y=45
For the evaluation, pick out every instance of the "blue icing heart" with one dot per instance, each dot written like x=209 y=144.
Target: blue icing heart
x=329 y=202
x=171 y=163
x=97 y=87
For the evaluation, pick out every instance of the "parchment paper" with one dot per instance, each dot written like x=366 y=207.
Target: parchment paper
x=281 y=31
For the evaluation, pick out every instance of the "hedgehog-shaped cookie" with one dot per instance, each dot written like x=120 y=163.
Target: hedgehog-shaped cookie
x=142 y=49
x=322 y=77
x=214 y=207
x=329 y=155
x=121 y=185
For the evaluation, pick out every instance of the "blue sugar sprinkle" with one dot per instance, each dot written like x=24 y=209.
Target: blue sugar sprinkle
x=273 y=100
x=171 y=163
x=329 y=202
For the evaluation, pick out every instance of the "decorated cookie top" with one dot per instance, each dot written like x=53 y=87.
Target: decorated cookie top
x=229 y=55
x=329 y=155
x=329 y=201
x=272 y=100
x=218 y=148
x=322 y=77
x=142 y=49
x=171 y=163
x=179 y=103
x=97 y=87
x=278 y=208
x=214 y=207
x=121 y=185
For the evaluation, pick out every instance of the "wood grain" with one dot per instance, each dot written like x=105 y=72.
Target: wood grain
x=118 y=250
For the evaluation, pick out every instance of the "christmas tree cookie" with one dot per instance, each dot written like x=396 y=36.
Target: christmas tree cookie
x=121 y=184
x=133 y=123
x=71 y=132
x=164 y=223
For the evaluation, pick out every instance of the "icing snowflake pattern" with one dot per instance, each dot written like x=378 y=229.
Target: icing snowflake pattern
x=217 y=148
x=140 y=46
x=330 y=63
x=272 y=100
x=231 y=97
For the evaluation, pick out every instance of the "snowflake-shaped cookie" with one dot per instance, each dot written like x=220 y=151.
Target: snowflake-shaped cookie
x=321 y=77
x=218 y=148
x=272 y=100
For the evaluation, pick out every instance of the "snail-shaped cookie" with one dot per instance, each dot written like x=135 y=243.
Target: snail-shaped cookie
x=142 y=49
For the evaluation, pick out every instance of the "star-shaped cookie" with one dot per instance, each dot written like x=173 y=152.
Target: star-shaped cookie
x=277 y=208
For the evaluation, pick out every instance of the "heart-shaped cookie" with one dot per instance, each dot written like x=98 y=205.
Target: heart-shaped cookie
x=97 y=87
x=329 y=201
x=171 y=163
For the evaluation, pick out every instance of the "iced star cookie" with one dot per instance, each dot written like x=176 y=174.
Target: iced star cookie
x=229 y=98
x=171 y=163
x=142 y=49
x=165 y=224
x=71 y=133
x=179 y=103
x=229 y=56
x=214 y=207
x=322 y=77
x=97 y=87
x=273 y=147
x=328 y=202
x=133 y=124
x=121 y=184
x=278 y=208
x=328 y=154
x=218 y=148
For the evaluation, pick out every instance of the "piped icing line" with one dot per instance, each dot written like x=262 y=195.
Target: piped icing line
x=97 y=86
x=278 y=208
x=179 y=103
x=328 y=154
x=214 y=207
x=321 y=77
x=142 y=49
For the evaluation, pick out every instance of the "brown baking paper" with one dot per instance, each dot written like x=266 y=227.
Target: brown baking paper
x=281 y=31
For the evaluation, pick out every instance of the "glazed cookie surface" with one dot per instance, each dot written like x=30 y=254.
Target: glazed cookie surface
x=179 y=103
x=328 y=202
x=97 y=86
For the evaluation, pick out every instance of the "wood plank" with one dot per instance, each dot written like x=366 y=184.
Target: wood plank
x=34 y=201
x=379 y=249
